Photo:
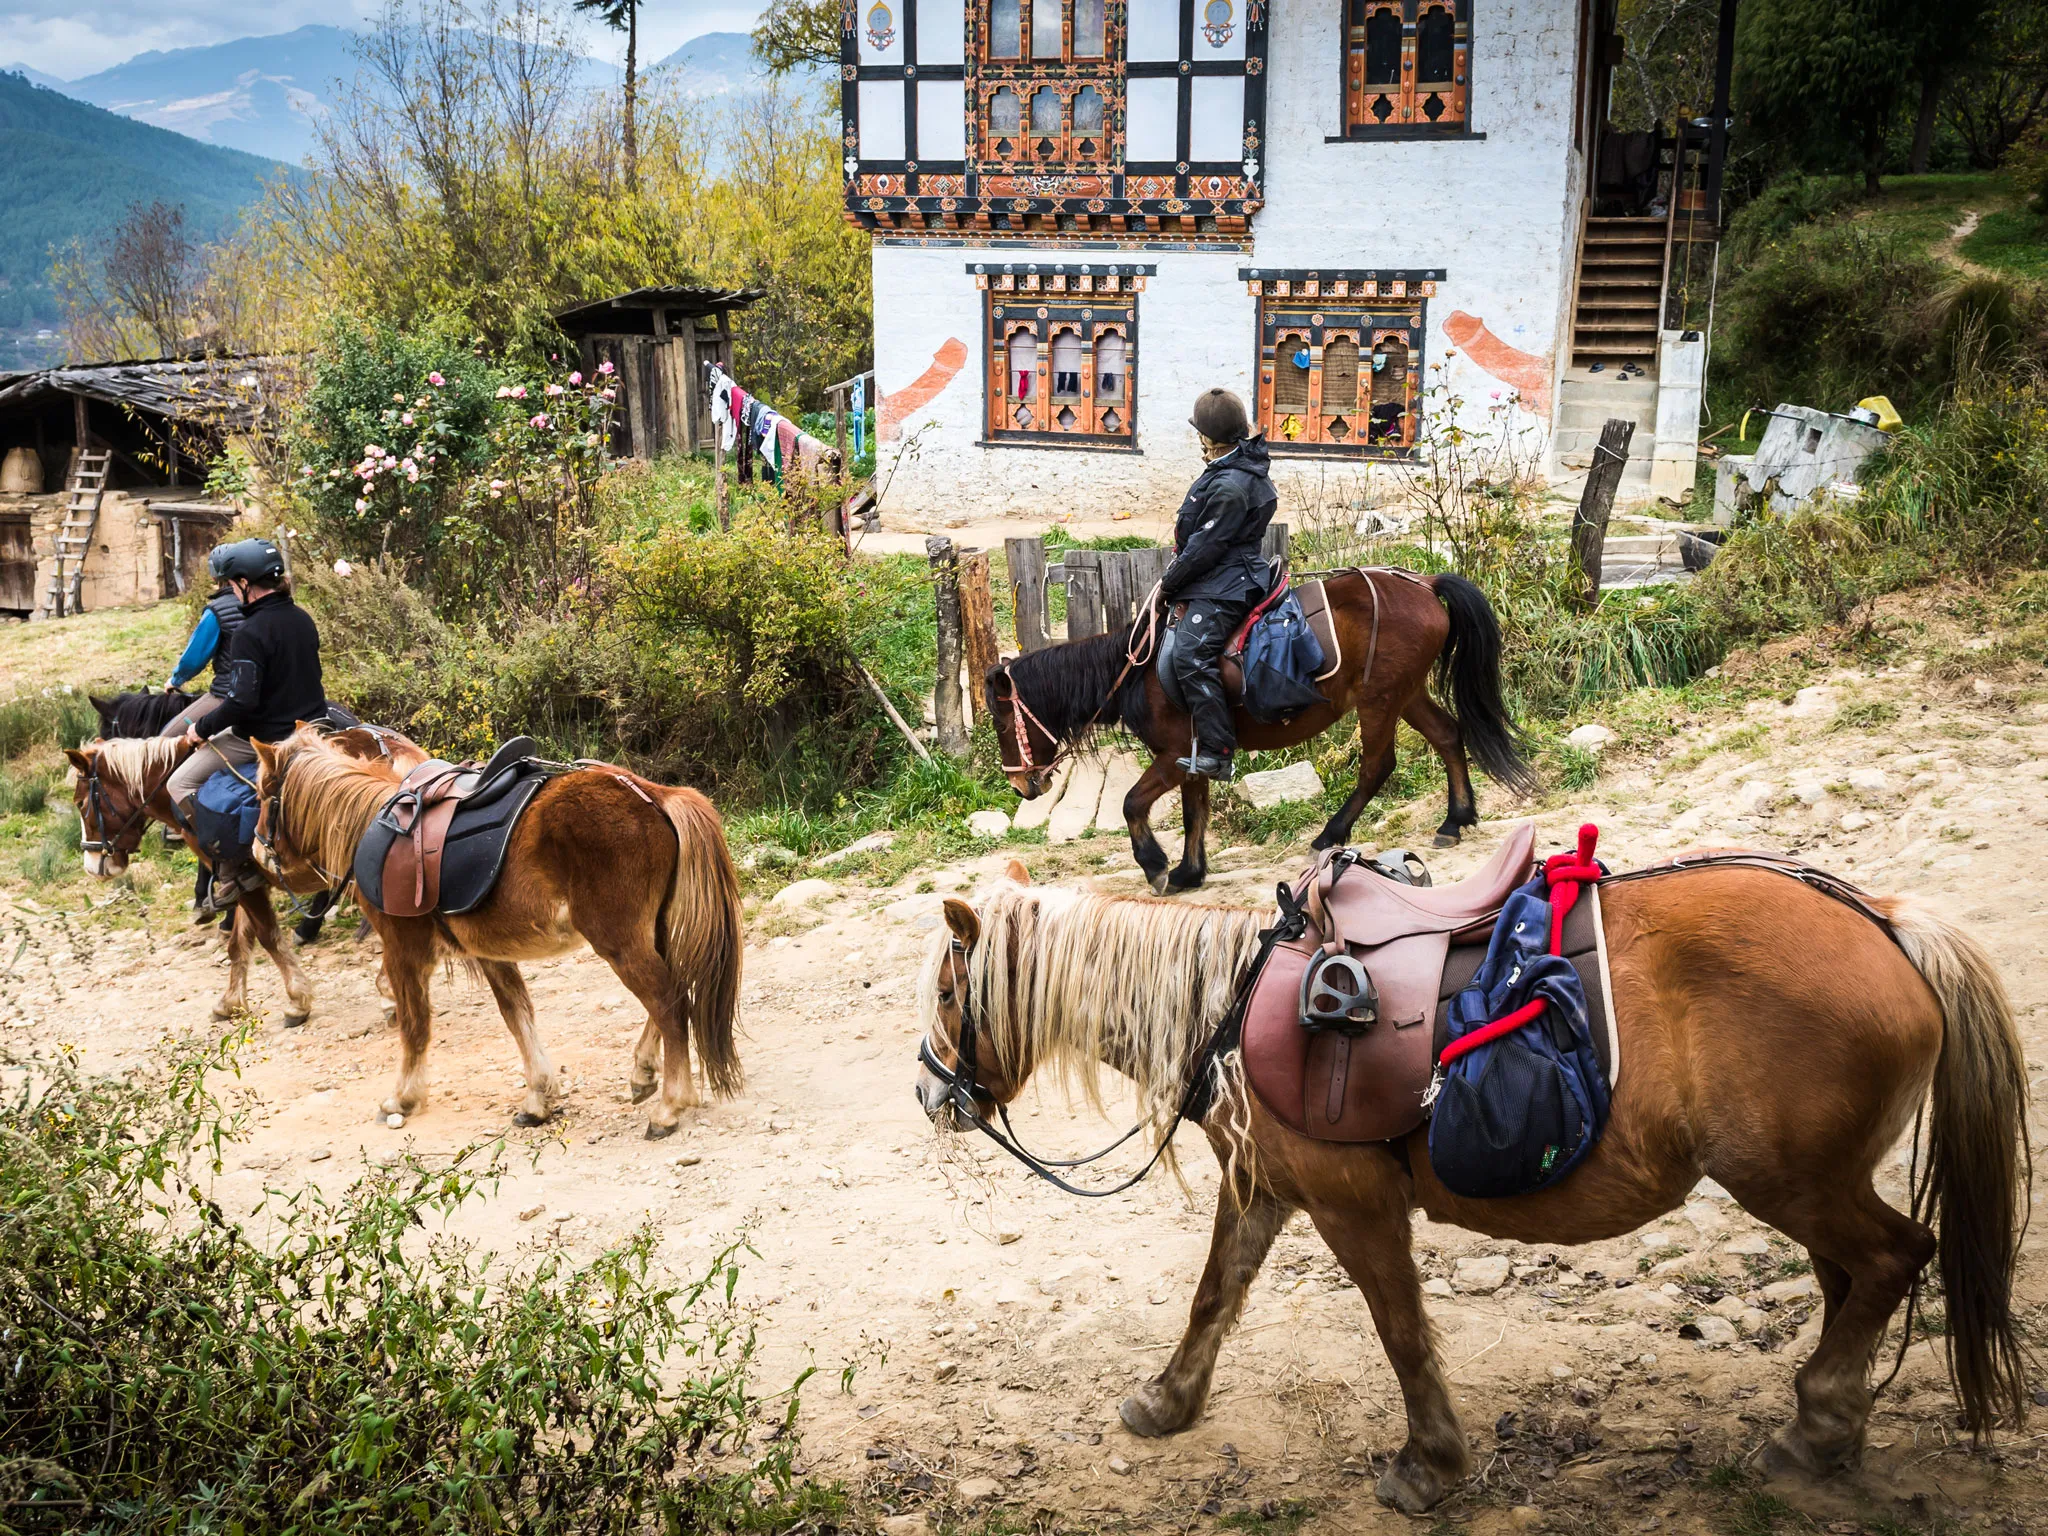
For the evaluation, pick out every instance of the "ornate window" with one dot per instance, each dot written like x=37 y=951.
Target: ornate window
x=1407 y=68
x=1062 y=345
x=1078 y=117
x=1340 y=360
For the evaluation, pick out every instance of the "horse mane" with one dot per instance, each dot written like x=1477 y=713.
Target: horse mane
x=1068 y=685
x=329 y=798
x=136 y=762
x=1064 y=980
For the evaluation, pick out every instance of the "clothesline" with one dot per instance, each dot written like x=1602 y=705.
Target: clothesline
x=748 y=428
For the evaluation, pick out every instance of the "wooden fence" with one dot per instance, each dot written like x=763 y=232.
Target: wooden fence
x=1104 y=586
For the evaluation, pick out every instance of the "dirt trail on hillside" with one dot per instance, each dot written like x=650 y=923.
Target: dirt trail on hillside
x=995 y=1324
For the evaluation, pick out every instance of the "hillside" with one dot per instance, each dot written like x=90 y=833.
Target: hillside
x=70 y=170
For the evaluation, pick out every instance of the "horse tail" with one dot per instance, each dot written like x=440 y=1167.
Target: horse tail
x=1468 y=678
x=701 y=934
x=1979 y=1162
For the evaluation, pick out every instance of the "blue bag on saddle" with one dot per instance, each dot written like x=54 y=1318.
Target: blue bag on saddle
x=224 y=816
x=1521 y=1111
x=1281 y=659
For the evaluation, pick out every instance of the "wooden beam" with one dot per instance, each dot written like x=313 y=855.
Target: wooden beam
x=1589 y=522
x=946 y=702
x=978 y=628
x=1027 y=590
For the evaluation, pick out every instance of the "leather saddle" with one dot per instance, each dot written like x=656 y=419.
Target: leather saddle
x=1385 y=969
x=439 y=841
x=1315 y=604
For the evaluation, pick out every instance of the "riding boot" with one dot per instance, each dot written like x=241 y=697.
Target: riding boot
x=1203 y=634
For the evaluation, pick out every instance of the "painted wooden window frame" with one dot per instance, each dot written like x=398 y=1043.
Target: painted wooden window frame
x=1078 y=186
x=1090 y=300
x=1317 y=307
x=1407 y=101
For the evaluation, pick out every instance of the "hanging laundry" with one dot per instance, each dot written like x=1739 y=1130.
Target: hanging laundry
x=860 y=416
x=721 y=406
x=786 y=435
x=745 y=411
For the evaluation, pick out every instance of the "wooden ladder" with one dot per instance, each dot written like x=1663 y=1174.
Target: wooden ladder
x=87 y=487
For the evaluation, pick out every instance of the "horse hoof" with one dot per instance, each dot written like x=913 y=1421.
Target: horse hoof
x=297 y=1020
x=661 y=1132
x=1159 y=884
x=1399 y=1488
x=642 y=1092
x=526 y=1119
x=1146 y=1420
x=1788 y=1453
x=1444 y=840
x=1179 y=882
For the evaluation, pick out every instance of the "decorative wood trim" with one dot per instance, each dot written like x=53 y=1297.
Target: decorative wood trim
x=1312 y=308
x=1092 y=302
x=1401 y=109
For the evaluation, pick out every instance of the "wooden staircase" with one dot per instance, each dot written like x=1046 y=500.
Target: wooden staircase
x=1621 y=292
x=87 y=487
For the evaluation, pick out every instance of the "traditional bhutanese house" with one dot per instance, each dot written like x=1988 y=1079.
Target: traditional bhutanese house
x=101 y=473
x=1351 y=212
x=659 y=340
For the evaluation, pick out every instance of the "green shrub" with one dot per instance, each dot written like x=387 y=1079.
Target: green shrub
x=359 y=1369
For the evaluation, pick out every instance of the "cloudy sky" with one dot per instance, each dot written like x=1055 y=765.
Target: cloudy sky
x=73 y=38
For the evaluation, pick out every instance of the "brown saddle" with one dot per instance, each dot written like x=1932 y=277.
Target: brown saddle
x=1315 y=603
x=398 y=864
x=1367 y=1083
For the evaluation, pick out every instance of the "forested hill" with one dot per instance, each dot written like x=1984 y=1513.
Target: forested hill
x=69 y=170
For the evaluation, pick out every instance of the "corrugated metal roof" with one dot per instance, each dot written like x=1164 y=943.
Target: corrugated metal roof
x=231 y=391
x=595 y=316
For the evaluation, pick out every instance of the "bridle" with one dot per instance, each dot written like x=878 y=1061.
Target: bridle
x=1138 y=651
x=1197 y=1098
x=96 y=800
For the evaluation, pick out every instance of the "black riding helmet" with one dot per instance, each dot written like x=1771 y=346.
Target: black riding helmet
x=1220 y=416
x=254 y=560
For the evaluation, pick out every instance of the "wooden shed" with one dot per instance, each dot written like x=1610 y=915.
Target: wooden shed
x=659 y=339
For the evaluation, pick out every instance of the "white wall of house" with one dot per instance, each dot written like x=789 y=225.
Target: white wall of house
x=1499 y=215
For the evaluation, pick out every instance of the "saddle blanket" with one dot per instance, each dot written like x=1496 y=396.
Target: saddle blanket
x=472 y=854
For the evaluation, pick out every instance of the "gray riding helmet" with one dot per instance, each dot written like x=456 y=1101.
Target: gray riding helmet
x=255 y=560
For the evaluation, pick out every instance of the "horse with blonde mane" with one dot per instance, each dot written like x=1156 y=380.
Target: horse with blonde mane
x=117 y=787
x=1771 y=1038
x=638 y=870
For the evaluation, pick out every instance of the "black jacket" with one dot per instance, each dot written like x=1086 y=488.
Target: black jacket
x=1220 y=527
x=273 y=672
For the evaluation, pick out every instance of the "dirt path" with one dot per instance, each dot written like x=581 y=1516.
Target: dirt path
x=995 y=1324
x=1950 y=250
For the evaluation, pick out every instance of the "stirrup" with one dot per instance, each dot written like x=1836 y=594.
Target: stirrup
x=1218 y=769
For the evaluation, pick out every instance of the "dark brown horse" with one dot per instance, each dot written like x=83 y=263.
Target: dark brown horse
x=1393 y=627
x=638 y=870
x=1771 y=1038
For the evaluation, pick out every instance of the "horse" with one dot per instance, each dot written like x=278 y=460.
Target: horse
x=1393 y=627
x=117 y=787
x=1772 y=1038
x=143 y=713
x=638 y=870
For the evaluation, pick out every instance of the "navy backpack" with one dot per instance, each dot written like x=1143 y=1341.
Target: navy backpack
x=224 y=816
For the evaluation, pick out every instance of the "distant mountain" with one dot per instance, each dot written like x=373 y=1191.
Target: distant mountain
x=33 y=76
x=69 y=170
x=719 y=63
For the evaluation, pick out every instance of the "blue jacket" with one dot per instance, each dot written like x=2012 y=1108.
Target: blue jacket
x=208 y=646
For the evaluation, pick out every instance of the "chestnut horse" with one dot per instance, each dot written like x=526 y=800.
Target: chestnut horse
x=638 y=870
x=1393 y=627
x=1771 y=1038
x=118 y=789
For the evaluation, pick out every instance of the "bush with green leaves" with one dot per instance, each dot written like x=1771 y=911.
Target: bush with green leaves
x=355 y=1367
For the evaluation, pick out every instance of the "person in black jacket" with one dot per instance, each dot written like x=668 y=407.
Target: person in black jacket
x=273 y=682
x=1217 y=575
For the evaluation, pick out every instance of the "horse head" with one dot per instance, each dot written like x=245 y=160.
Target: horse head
x=960 y=1070
x=112 y=787
x=108 y=711
x=1029 y=749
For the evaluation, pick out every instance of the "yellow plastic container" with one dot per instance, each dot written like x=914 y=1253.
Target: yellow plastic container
x=1888 y=418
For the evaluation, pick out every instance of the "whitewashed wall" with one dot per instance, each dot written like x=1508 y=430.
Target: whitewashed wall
x=1498 y=214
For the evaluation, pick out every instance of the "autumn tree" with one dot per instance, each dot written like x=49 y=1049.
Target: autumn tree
x=801 y=35
x=138 y=292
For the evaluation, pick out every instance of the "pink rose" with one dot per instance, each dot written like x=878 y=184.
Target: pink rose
x=436 y=380
x=606 y=367
x=575 y=378
x=540 y=422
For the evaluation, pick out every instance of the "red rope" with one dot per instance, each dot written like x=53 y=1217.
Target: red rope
x=1567 y=874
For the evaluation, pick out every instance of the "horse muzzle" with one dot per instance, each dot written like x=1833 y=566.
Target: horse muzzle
x=1030 y=783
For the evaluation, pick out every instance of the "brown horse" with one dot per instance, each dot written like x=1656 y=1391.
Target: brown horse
x=118 y=788
x=638 y=870
x=1772 y=1038
x=1393 y=627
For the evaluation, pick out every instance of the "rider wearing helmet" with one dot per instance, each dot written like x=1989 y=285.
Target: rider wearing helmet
x=273 y=682
x=1217 y=573
x=208 y=646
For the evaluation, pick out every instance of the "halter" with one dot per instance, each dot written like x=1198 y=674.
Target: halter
x=1196 y=1100
x=96 y=799
x=1137 y=653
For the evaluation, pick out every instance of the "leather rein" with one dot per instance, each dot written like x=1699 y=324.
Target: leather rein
x=96 y=798
x=1137 y=653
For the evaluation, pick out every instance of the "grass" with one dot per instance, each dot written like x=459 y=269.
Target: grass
x=2012 y=240
x=127 y=647
x=1925 y=209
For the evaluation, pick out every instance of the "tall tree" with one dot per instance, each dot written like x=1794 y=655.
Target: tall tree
x=1818 y=83
x=2001 y=90
x=624 y=16
x=139 y=293
x=798 y=35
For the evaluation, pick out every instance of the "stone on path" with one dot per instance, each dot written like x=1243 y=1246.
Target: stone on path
x=1592 y=737
x=874 y=842
x=989 y=823
x=801 y=893
x=1755 y=797
x=1123 y=772
x=1791 y=1290
x=1855 y=821
x=972 y=1490
x=1036 y=813
x=1715 y=1330
x=1872 y=781
x=1281 y=786
x=1755 y=1244
x=1486 y=1273
x=1075 y=813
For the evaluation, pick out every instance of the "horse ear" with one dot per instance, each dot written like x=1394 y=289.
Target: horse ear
x=961 y=918
x=78 y=759
x=266 y=756
x=1015 y=870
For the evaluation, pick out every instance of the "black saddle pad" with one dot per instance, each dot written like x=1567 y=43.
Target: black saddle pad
x=472 y=857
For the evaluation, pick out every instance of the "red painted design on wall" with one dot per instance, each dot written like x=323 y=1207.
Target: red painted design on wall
x=922 y=391
x=1524 y=372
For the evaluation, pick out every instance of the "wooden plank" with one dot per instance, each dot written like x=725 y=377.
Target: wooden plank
x=1075 y=813
x=1084 y=592
x=1274 y=546
x=1589 y=521
x=1123 y=772
x=1147 y=566
x=1027 y=588
x=978 y=628
x=1117 y=597
x=946 y=708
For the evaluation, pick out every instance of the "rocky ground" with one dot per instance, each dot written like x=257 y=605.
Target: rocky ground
x=993 y=1324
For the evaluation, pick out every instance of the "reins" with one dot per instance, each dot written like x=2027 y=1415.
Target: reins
x=95 y=797
x=1137 y=653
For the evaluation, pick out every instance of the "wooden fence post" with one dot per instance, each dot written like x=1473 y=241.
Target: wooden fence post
x=721 y=501
x=1589 y=522
x=1117 y=596
x=1027 y=587
x=1084 y=592
x=946 y=686
x=978 y=628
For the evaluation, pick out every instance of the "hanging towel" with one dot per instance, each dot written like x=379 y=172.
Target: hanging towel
x=746 y=409
x=860 y=416
x=785 y=443
x=721 y=406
